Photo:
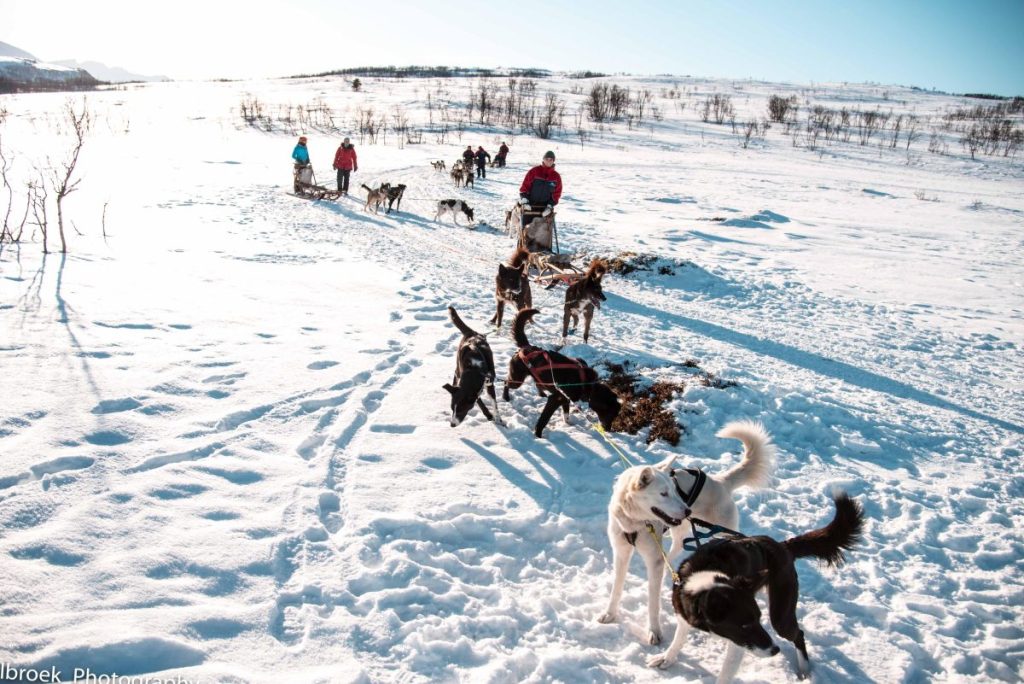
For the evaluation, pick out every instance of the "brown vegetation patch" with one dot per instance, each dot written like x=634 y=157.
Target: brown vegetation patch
x=645 y=406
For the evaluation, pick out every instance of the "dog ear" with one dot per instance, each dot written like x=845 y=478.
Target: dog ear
x=448 y=387
x=646 y=478
x=666 y=465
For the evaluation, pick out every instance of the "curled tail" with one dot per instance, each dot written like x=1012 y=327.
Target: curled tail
x=463 y=328
x=365 y=187
x=519 y=257
x=519 y=325
x=829 y=542
x=596 y=270
x=758 y=455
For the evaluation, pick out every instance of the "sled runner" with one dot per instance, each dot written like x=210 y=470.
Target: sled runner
x=539 y=235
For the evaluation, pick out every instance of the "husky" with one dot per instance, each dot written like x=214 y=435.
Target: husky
x=453 y=207
x=565 y=379
x=639 y=494
x=395 y=193
x=438 y=165
x=375 y=198
x=474 y=371
x=457 y=175
x=717 y=584
x=512 y=285
x=584 y=296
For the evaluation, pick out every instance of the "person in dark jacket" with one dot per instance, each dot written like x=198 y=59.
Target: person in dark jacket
x=467 y=157
x=482 y=157
x=345 y=163
x=542 y=186
x=499 y=159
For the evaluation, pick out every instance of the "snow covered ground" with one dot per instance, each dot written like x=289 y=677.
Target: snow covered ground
x=225 y=448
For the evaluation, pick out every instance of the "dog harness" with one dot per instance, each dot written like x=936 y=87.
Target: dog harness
x=700 y=478
x=538 y=361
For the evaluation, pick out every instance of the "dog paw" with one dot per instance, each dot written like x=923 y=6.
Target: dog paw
x=654 y=637
x=607 y=618
x=660 y=661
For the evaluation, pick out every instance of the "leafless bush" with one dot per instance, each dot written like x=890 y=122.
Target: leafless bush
x=598 y=105
x=717 y=108
x=80 y=123
x=550 y=116
x=779 y=108
x=642 y=101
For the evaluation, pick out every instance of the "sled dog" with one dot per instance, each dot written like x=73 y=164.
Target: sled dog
x=474 y=372
x=639 y=494
x=453 y=207
x=584 y=296
x=512 y=286
x=375 y=198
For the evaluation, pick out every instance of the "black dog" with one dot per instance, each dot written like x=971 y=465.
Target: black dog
x=716 y=587
x=584 y=296
x=474 y=370
x=512 y=285
x=568 y=380
x=395 y=193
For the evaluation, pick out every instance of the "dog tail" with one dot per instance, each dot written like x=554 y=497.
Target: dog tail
x=367 y=188
x=596 y=270
x=519 y=257
x=463 y=328
x=758 y=455
x=519 y=326
x=829 y=542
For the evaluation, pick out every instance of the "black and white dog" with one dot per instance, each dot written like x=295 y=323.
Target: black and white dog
x=717 y=584
x=453 y=207
x=565 y=379
x=474 y=371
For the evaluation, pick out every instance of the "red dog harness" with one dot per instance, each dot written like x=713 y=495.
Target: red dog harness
x=538 y=361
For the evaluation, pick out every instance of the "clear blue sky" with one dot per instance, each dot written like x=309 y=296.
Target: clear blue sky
x=956 y=46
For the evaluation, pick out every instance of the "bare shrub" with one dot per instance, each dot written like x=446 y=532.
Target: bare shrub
x=781 y=108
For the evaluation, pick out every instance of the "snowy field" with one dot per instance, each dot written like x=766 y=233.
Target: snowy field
x=224 y=446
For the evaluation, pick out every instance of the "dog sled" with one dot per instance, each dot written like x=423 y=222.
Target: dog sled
x=305 y=185
x=538 y=234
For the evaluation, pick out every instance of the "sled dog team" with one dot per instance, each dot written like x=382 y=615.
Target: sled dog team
x=714 y=588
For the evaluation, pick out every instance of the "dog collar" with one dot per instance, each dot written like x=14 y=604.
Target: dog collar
x=700 y=477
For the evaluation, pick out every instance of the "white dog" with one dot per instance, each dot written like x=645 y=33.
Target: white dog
x=662 y=497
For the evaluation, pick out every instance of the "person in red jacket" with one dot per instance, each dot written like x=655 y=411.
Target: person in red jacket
x=499 y=159
x=542 y=186
x=345 y=162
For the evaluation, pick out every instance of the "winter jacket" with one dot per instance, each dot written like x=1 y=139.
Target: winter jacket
x=300 y=154
x=345 y=158
x=467 y=155
x=503 y=151
x=542 y=185
x=482 y=157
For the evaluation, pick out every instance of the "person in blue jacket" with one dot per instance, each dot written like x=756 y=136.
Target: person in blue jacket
x=301 y=157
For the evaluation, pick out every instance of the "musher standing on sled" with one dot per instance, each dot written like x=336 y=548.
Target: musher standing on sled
x=542 y=186
x=301 y=157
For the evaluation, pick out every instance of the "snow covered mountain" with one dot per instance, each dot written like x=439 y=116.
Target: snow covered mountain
x=19 y=74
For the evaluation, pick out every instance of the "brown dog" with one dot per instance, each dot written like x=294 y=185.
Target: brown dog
x=584 y=296
x=512 y=285
x=376 y=198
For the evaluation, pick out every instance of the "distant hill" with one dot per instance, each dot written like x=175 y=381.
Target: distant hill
x=108 y=73
x=21 y=75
